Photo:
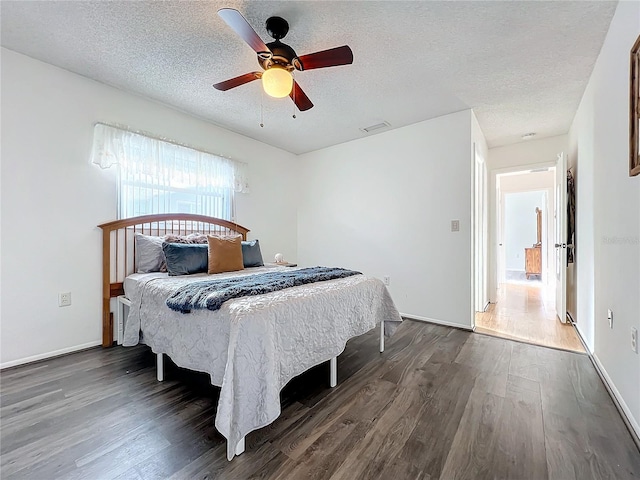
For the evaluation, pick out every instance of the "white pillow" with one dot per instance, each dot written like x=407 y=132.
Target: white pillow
x=149 y=254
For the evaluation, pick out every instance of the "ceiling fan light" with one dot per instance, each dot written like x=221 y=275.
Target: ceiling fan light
x=277 y=82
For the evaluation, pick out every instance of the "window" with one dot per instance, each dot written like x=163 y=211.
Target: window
x=157 y=176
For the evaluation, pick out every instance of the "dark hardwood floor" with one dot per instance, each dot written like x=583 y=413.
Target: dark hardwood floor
x=439 y=403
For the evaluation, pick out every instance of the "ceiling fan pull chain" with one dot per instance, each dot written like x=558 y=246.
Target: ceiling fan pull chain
x=294 y=95
x=261 y=109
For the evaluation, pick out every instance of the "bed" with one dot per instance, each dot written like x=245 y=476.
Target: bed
x=252 y=346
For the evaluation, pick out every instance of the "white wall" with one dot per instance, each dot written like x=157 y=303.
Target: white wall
x=53 y=198
x=383 y=205
x=529 y=182
x=520 y=229
x=512 y=158
x=477 y=137
x=607 y=213
x=527 y=153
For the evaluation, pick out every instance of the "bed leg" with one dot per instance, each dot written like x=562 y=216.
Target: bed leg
x=160 y=366
x=382 y=336
x=120 y=312
x=240 y=447
x=333 y=375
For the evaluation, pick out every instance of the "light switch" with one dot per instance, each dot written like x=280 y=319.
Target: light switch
x=455 y=225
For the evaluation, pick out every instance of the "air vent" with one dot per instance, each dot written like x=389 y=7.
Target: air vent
x=376 y=127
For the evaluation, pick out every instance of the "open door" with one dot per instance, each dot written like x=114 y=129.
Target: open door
x=480 y=234
x=500 y=246
x=561 y=237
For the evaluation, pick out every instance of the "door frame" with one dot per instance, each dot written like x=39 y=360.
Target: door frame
x=494 y=222
x=480 y=233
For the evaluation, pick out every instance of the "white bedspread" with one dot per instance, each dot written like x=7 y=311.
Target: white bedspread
x=253 y=346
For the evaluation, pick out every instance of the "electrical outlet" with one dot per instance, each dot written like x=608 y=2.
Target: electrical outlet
x=455 y=225
x=387 y=280
x=634 y=339
x=610 y=318
x=64 y=299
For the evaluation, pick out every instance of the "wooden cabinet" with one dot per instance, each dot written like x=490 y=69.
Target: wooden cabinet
x=532 y=261
x=533 y=255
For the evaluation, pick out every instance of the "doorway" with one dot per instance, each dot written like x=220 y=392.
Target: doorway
x=525 y=237
x=524 y=301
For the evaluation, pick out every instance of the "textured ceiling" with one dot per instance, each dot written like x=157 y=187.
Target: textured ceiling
x=522 y=66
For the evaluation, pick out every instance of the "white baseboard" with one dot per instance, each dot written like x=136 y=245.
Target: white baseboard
x=44 y=356
x=618 y=398
x=439 y=322
x=618 y=401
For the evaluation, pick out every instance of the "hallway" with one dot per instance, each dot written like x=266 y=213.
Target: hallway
x=526 y=312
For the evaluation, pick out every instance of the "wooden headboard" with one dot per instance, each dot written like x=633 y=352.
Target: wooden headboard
x=118 y=249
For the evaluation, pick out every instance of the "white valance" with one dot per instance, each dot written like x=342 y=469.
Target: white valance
x=119 y=146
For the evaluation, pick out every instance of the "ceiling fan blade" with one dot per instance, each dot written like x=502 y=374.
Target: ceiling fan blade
x=237 y=81
x=300 y=98
x=326 y=58
x=239 y=24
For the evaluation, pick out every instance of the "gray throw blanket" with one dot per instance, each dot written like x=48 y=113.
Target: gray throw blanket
x=211 y=294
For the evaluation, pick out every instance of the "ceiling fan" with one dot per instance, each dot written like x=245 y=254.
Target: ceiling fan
x=278 y=59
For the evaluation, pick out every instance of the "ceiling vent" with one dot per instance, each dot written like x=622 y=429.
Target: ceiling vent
x=376 y=127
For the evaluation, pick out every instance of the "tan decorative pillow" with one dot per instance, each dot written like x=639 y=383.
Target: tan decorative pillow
x=225 y=253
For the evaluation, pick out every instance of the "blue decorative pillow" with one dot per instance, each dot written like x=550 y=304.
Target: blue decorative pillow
x=251 y=255
x=185 y=259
